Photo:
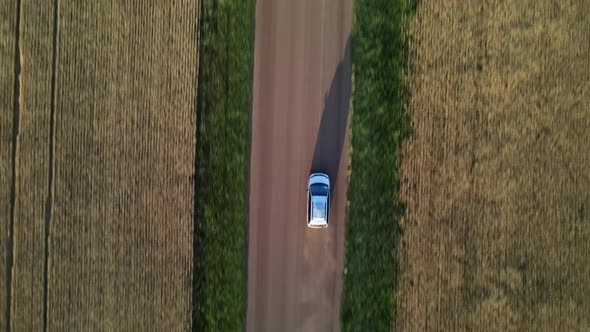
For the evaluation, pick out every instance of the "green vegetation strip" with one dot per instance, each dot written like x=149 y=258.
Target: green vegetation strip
x=378 y=126
x=222 y=151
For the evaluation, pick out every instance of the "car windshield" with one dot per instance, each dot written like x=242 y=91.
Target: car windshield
x=319 y=190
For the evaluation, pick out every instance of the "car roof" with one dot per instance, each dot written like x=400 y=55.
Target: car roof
x=319 y=207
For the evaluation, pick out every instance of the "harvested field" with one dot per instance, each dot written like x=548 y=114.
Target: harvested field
x=105 y=162
x=496 y=177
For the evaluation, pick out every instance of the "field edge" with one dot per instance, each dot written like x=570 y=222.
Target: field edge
x=379 y=125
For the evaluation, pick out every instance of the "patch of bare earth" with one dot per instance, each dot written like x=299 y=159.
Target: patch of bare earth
x=496 y=177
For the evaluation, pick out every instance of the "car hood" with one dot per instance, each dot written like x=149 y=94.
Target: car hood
x=319 y=178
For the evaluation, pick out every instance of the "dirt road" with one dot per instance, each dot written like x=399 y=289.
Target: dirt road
x=299 y=125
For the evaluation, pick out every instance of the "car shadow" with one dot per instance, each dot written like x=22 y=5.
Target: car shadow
x=334 y=123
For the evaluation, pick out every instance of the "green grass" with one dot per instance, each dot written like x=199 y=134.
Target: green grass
x=222 y=164
x=378 y=126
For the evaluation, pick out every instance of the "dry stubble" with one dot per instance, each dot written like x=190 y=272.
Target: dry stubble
x=497 y=174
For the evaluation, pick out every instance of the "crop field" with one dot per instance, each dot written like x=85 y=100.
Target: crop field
x=97 y=164
x=7 y=49
x=35 y=86
x=496 y=175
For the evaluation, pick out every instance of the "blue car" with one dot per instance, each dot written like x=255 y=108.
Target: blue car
x=318 y=200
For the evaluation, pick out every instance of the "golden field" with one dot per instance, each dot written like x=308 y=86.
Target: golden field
x=100 y=150
x=496 y=176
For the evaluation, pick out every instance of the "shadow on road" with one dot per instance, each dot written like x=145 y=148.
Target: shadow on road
x=334 y=123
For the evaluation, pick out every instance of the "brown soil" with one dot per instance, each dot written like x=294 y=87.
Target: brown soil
x=497 y=174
